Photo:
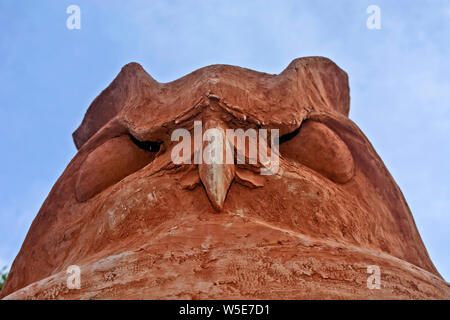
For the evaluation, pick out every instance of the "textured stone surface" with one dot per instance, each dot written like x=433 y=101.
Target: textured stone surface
x=140 y=226
x=319 y=148
x=109 y=163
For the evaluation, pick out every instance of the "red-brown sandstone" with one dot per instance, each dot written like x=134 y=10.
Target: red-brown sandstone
x=141 y=227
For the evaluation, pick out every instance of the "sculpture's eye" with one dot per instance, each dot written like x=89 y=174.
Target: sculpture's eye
x=151 y=146
x=112 y=161
x=319 y=148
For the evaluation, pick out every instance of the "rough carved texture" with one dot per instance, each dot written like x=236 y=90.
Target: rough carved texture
x=319 y=148
x=109 y=163
x=308 y=232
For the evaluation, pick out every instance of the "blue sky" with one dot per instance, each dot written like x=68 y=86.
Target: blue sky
x=399 y=80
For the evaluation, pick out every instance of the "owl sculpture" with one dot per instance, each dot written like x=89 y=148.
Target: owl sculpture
x=305 y=209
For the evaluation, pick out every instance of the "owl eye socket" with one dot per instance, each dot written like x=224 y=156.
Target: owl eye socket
x=152 y=146
x=289 y=136
x=319 y=148
x=111 y=162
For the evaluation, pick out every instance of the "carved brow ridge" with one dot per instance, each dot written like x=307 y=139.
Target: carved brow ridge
x=306 y=85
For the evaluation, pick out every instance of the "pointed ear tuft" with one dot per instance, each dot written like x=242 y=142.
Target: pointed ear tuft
x=323 y=81
x=127 y=85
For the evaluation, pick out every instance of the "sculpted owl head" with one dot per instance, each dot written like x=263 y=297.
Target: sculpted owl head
x=141 y=225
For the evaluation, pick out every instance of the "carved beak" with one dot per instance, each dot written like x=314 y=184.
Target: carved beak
x=214 y=171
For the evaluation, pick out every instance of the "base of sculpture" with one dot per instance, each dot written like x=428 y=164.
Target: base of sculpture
x=231 y=256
